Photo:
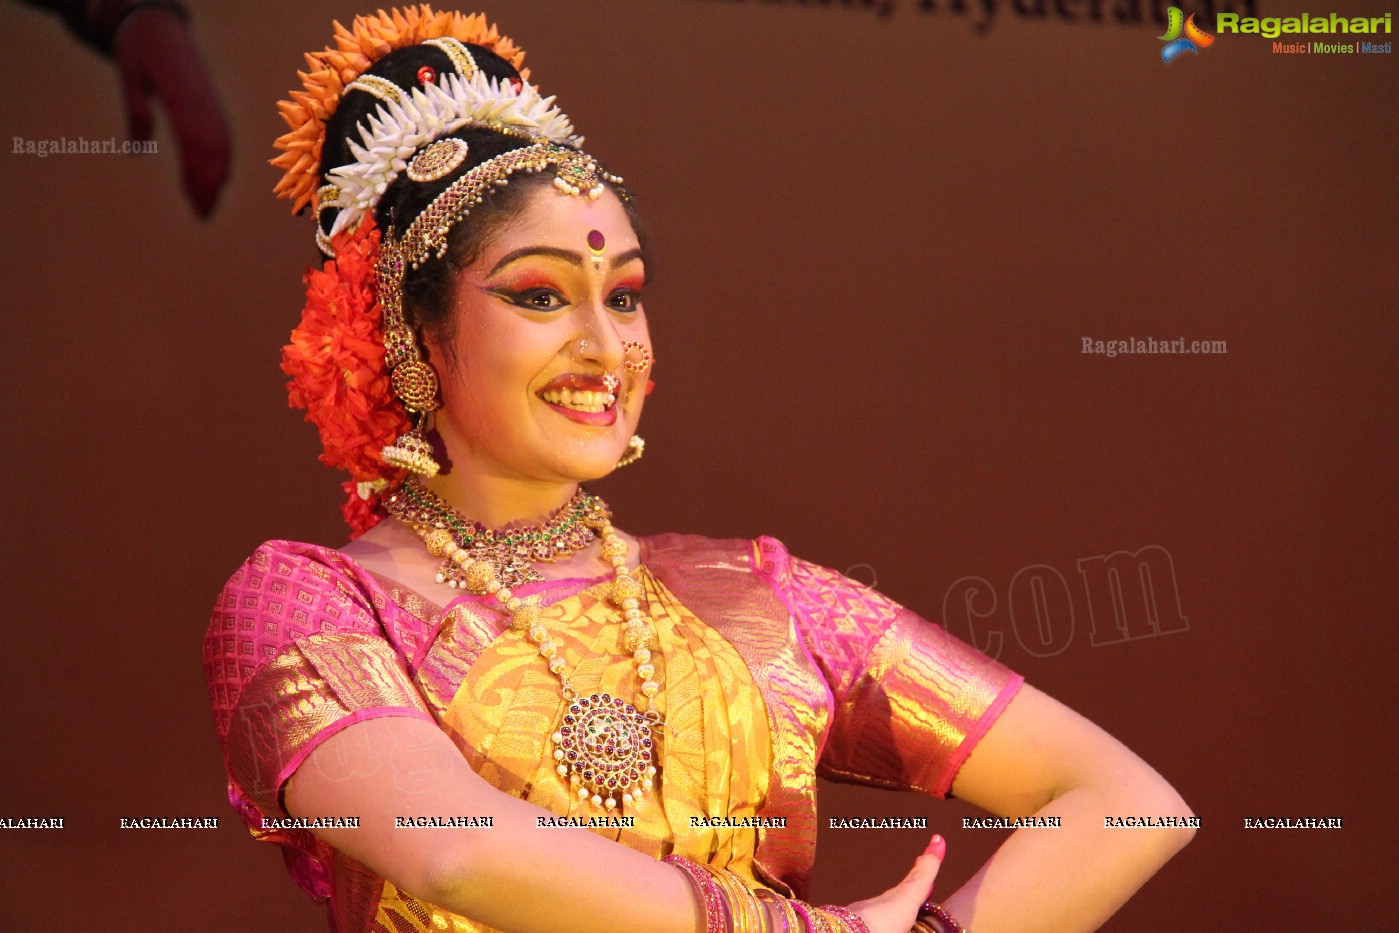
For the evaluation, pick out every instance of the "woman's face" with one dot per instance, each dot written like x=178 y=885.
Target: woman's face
x=540 y=321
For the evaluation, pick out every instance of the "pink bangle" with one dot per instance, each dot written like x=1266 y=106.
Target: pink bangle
x=803 y=910
x=710 y=897
x=845 y=915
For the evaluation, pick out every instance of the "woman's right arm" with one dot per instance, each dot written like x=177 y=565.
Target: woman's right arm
x=513 y=876
x=318 y=713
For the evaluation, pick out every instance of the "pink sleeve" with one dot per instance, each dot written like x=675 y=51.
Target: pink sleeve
x=295 y=652
x=911 y=701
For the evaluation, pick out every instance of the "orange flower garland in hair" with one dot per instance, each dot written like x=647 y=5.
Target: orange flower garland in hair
x=368 y=39
x=336 y=355
x=339 y=375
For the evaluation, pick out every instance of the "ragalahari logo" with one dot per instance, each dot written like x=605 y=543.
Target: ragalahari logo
x=1193 y=40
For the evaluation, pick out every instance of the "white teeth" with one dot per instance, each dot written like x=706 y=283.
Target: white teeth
x=579 y=399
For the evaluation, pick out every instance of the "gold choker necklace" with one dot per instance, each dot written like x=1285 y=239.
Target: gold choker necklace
x=511 y=554
x=603 y=745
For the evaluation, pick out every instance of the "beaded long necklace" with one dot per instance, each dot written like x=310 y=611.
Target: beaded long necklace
x=603 y=745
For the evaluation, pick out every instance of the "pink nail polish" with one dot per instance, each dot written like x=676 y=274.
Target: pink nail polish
x=937 y=846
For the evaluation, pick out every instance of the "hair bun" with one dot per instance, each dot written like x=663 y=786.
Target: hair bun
x=357 y=49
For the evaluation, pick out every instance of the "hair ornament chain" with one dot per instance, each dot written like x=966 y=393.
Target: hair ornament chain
x=576 y=173
x=381 y=88
x=460 y=55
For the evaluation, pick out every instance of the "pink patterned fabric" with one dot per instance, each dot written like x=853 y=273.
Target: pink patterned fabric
x=303 y=621
x=303 y=642
x=911 y=700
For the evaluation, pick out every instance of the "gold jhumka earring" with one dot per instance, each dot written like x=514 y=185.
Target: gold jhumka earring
x=415 y=384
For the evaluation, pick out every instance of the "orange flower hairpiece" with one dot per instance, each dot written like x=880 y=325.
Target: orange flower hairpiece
x=368 y=39
x=339 y=374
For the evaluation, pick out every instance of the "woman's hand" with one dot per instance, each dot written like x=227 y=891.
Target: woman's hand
x=896 y=909
x=157 y=57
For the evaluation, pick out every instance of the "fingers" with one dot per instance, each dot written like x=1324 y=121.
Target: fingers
x=187 y=92
x=898 y=907
x=937 y=846
x=138 y=107
x=157 y=58
x=895 y=910
x=919 y=881
x=205 y=153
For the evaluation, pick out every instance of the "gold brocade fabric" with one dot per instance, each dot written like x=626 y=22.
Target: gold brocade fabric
x=731 y=585
x=714 y=753
x=312 y=685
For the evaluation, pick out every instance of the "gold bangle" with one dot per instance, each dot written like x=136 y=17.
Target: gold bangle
x=745 y=915
x=790 y=922
x=756 y=915
x=820 y=922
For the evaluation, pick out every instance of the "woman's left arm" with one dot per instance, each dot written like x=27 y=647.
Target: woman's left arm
x=1041 y=758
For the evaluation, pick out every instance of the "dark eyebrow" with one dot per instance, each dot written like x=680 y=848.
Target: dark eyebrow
x=621 y=259
x=572 y=258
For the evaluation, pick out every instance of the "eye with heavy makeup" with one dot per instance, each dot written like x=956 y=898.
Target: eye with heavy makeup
x=624 y=297
x=547 y=279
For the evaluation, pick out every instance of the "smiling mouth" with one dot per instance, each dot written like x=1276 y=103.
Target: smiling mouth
x=584 y=400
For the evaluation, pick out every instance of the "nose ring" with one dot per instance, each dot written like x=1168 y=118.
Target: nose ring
x=635 y=357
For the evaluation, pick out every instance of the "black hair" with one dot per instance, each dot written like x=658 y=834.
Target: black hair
x=427 y=290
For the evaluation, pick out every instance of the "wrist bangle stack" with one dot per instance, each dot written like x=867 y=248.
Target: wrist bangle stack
x=730 y=906
x=850 y=920
x=803 y=910
x=936 y=919
x=791 y=923
x=746 y=915
x=820 y=920
x=710 y=897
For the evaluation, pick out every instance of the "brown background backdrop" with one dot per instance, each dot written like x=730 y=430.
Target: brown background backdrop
x=879 y=242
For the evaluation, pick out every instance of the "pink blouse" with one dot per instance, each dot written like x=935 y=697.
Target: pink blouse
x=304 y=642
